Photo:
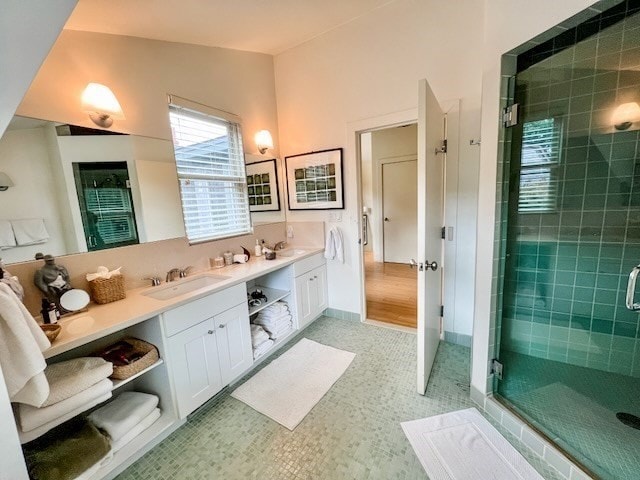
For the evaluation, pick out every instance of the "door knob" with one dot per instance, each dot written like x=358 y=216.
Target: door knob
x=386 y=219
x=432 y=265
x=210 y=332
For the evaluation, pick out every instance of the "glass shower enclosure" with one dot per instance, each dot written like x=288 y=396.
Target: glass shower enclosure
x=569 y=338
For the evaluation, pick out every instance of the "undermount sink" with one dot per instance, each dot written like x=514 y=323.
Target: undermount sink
x=180 y=287
x=289 y=252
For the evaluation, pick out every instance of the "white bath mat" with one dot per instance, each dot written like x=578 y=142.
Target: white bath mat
x=463 y=445
x=289 y=387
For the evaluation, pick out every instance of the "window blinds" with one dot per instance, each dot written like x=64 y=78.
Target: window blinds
x=210 y=163
x=541 y=145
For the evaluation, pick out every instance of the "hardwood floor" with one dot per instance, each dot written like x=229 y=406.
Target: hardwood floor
x=391 y=290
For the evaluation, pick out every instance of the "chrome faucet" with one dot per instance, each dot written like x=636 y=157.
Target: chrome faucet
x=185 y=271
x=171 y=274
x=279 y=245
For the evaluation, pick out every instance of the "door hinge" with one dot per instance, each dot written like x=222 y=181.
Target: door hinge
x=442 y=148
x=497 y=368
x=443 y=233
x=442 y=311
x=510 y=115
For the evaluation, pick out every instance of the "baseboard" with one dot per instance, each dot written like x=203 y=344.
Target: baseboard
x=341 y=314
x=458 y=338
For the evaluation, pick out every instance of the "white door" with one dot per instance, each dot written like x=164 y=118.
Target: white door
x=196 y=369
x=320 y=279
x=304 y=294
x=399 y=210
x=233 y=337
x=431 y=133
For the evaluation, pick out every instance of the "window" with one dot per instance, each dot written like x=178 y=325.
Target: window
x=211 y=171
x=541 y=146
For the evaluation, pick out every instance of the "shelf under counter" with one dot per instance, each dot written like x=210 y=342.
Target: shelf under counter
x=272 y=294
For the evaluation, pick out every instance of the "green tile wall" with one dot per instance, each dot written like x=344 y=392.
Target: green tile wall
x=566 y=271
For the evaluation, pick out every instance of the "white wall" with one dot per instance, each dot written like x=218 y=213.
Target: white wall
x=367 y=185
x=27 y=31
x=502 y=33
x=386 y=144
x=142 y=72
x=371 y=67
x=24 y=156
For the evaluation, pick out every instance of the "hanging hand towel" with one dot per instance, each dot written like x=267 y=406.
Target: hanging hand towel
x=30 y=231
x=21 y=345
x=334 y=248
x=7 y=238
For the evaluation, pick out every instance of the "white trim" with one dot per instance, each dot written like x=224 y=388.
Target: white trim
x=200 y=108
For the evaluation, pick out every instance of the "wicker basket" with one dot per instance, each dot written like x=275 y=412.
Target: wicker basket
x=149 y=358
x=107 y=290
x=51 y=331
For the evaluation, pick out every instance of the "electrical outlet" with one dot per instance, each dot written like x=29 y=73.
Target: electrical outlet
x=335 y=216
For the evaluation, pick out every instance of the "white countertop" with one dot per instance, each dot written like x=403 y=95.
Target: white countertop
x=102 y=320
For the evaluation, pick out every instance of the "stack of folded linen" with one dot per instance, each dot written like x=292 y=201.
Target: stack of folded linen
x=260 y=340
x=126 y=417
x=275 y=319
x=74 y=386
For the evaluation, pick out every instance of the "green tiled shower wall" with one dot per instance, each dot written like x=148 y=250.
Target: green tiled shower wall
x=566 y=270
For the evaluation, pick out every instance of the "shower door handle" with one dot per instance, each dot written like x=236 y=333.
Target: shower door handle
x=631 y=289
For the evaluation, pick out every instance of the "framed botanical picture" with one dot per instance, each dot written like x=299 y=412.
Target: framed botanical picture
x=314 y=180
x=262 y=183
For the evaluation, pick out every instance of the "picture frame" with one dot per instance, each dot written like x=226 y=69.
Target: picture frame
x=262 y=186
x=315 y=180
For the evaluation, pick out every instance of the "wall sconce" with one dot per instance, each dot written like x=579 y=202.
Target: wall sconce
x=624 y=115
x=5 y=182
x=101 y=105
x=263 y=141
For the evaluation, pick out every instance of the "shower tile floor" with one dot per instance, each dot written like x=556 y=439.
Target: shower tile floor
x=352 y=433
x=577 y=407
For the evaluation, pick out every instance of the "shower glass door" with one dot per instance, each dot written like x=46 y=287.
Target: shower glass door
x=569 y=345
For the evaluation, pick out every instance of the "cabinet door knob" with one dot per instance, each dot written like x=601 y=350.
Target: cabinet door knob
x=221 y=325
x=311 y=279
x=210 y=332
x=315 y=276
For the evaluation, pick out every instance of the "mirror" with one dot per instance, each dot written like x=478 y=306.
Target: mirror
x=79 y=190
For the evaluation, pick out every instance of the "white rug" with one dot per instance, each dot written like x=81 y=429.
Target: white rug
x=463 y=445
x=290 y=386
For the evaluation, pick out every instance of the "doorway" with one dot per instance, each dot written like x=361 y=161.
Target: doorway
x=389 y=198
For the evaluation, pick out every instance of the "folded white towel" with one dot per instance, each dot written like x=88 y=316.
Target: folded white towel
x=7 y=238
x=26 y=437
x=69 y=378
x=30 y=231
x=22 y=342
x=272 y=326
x=281 y=332
x=30 y=417
x=137 y=430
x=334 y=247
x=258 y=335
x=122 y=414
x=262 y=348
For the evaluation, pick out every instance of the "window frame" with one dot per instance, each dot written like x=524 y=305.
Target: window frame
x=176 y=103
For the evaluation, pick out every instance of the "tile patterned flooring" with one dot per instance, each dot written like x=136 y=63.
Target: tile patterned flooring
x=353 y=432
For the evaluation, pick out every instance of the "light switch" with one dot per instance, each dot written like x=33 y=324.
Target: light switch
x=289 y=231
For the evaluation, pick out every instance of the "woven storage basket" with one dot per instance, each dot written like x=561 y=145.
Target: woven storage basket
x=107 y=290
x=149 y=358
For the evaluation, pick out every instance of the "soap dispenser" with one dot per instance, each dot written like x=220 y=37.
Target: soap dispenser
x=258 y=248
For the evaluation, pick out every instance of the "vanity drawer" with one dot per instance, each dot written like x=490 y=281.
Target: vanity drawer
x=192 y=313
x=307 y=264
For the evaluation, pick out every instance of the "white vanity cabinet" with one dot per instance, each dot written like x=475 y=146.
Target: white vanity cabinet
x=209 y=342
x=311 y=288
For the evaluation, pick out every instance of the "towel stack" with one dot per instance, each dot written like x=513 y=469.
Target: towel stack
x=74 y=386
x=260 y=340
x=275 y=319
x=126 y=417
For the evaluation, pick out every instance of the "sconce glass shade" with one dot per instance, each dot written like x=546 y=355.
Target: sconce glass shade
x=101 y=105
x=263 y=140
x=624 y=115
x=5 y=182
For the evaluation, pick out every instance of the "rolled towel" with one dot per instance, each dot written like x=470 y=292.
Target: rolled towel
x=137 y=430
x=127 y=410
x=66 y=458
x=69 y=378
x=30 y=417
x=262 y=348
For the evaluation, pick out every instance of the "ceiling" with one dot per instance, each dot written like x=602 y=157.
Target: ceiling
x=266 y=26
